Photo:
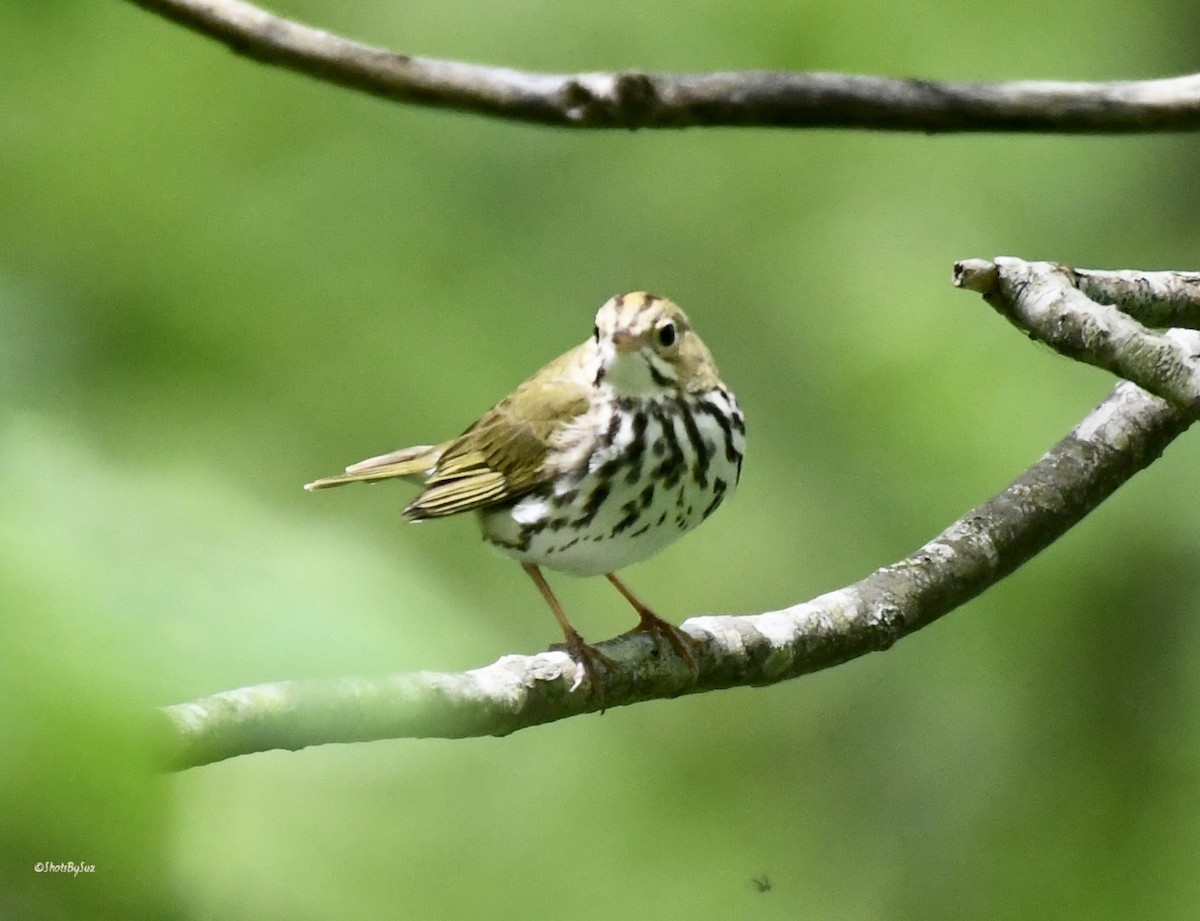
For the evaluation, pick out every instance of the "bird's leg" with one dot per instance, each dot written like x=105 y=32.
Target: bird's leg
x=589 y=657
x=651 y=623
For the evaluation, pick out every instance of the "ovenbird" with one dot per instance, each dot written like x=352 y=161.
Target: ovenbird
x=599 y=460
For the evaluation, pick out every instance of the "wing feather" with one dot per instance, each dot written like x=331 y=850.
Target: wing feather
x=499 y=458
x=503 y=456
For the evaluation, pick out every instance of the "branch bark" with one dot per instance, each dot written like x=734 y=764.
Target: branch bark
x=1047 y=301
x=1124 y=434
x=1155 y=298
x=636 y=99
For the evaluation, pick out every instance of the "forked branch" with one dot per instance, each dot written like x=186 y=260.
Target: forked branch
x=1124 y=434
x=637 y=99
x=1094 y=317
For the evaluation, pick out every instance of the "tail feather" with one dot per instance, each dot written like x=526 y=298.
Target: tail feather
x=411 y=464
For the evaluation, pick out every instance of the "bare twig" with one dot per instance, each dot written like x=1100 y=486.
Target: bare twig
x=1042 y=298
x=1120 y=437
x=635 y=99
x=1155 y=298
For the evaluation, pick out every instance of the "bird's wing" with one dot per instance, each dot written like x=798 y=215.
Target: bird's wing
x=503 y=455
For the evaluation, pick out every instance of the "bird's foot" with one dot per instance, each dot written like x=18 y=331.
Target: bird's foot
x=685 y=645
x=592 y=663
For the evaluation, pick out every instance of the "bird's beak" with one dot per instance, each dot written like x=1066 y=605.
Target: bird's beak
x=625 y=341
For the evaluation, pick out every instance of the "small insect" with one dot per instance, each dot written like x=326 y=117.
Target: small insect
x=762 y=883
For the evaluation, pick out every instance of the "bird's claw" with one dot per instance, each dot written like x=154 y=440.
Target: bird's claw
x=591 y=662
x=684 y=644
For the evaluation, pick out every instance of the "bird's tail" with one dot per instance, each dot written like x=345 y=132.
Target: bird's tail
x=412 y=464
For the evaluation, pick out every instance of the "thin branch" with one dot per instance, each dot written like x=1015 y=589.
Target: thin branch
x=635 y=99
x=1155 y=298
x=1042 y=298
x=1124 y=434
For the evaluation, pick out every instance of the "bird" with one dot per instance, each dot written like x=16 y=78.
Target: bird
x=602 y=458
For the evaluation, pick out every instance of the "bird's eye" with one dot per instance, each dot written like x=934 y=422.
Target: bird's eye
x=596 y=332
x=666 y=335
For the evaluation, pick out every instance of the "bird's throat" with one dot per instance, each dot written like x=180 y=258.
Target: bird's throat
x=636 y=375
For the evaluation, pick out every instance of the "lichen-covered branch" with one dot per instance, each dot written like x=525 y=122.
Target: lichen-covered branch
x=1045 y=300
x=637 y=99
x=1120 y=437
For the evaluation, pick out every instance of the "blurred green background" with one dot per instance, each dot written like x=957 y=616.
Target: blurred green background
x=219 y=280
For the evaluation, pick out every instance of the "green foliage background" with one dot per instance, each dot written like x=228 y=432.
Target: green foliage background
x=220 y=280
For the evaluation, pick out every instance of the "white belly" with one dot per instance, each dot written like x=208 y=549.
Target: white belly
x=648 y=497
